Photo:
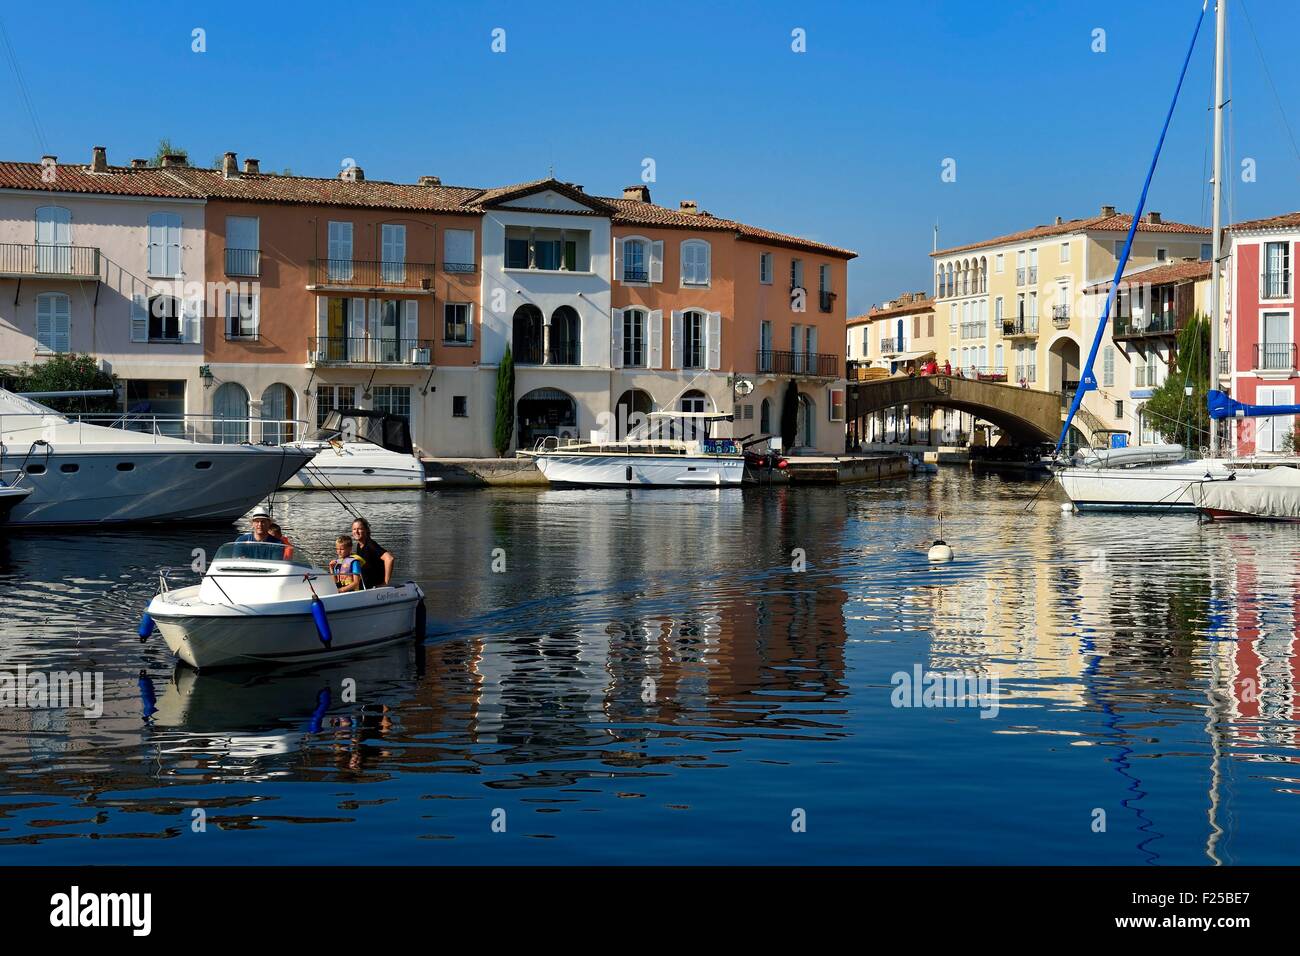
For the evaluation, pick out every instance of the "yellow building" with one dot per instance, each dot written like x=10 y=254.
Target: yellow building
x=1013 y=307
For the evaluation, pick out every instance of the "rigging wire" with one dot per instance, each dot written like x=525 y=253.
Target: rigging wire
x=1271 y=85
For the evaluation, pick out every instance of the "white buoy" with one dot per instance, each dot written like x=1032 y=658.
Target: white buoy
x=1067 y=505
x=940 y=552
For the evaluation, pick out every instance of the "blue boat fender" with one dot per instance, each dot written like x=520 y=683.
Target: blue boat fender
x=148 y=697
x=322 y=620
x=146 y=625
x=322 y=708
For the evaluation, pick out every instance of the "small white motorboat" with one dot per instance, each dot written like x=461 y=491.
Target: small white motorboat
x=359 y=448
x=257 y=606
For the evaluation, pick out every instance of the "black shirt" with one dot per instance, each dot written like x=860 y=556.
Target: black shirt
x=372 y=572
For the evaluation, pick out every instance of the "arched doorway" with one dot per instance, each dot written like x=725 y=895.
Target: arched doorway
x=566 y=337
x=230 y=414
x=277 y=414
x=526 y=338
x=1063 y=365
x=805 y=434
x=544 y=412
x=631 y=410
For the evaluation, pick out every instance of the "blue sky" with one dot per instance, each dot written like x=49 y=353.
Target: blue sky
x=842 y=143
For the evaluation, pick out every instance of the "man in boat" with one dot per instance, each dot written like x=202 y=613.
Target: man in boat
x=262 y=525
x=377 y=566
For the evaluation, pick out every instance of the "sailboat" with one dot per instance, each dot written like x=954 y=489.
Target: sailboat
x=1155 y=478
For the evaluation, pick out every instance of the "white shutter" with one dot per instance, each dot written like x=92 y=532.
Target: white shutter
x=192 y=322
x=322 y=322
x=256 y=302
x=458 y=246
x=704 y=267
x=655 y=339
x=173 y=245
x=657 y=261
x=616 y=338
x=618 y=260
x=676 y=351
x=139 y=318
x=715 y=340
x=157 y=246
x=469 y=322
x=356 y=323
x=411 y=323
x=372 y=326
x=62 y=322
x=44 y=323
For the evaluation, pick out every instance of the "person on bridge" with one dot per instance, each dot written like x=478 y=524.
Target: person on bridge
x=947 y=367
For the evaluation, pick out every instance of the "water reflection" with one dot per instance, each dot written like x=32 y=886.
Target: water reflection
x=663 y=677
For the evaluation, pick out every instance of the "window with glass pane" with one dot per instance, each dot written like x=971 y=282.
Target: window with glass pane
x=340 y=250
x=693 y=327
x=765 y=268
x=393 y=400
x=393 y=252
x=546 y=254
x=456 y=322
x=634 y=265
x=633 y=338
x=164 y=319
x=242 y=320
x=1277 y=267
x=330 y=398
x=516 y=253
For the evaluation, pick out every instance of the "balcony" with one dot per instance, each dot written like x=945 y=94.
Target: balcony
x=368 y=351
x=1026 y=326
x=373 y=275
x=1275 y=356
x=1020 y=275
x=1128 y=327
x=459 y=267
x=826 y=300
x=815 y=364
x=635 y=275
x=1060 y=316
x=19 y=260
x=891 y=346
x=243 y=262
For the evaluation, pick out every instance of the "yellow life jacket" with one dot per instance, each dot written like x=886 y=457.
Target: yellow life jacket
x=337 y=564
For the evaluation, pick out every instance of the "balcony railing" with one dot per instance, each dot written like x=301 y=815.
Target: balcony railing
x=1023 y=325
x=459 y=267
x=568 y=353
x=890 y=346
x=243 y=262
x=70 y=262
x=826 y=300
x=635 y=275
x=1275 y=285
x=372 y=274
x=1224 y=362
x=368 y=351
x=818 y=364
x=1020 y=275
x=1166 y=323
x=1061 y=316
x=1033 y=274
x=1275 y=355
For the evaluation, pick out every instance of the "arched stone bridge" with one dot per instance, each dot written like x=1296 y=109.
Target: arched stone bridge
x=1026 y=415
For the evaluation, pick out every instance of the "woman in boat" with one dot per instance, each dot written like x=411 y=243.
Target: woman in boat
x=377 y=569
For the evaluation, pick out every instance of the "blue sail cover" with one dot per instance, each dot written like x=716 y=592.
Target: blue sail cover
x=1224 y=406
x=1088 y=381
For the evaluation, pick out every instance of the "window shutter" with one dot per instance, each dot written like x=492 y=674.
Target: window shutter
x=173 y=245
x=372 y=326
x=157 y=242
x=704 y=272
x=44 y=323
x=618 y=260
x=139 y=318
x=469 y=322
x=657 y=261
x=62 y=323
x=357 y=323
x=411 y=323
x=322 y=322
x=616 y=338
x=193 y=322
x=715 y=340
x=256 y=302
x=655 y=338
x=676 y=353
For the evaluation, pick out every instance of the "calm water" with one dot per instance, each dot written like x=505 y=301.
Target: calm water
x=649 y=680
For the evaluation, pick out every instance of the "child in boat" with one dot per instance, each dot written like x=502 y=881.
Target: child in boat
x=288 y=545
x=346 y=568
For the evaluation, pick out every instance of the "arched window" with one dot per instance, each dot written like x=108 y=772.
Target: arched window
x=526 y=342
x=230 y=413
x=566 y=337
x=765 y=417
x=695 y=262
x=277 y=414
x=53 y=322
x=694 y=401
x=543 y=413
x=631 y=411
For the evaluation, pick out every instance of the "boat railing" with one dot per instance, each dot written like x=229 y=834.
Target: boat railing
x=208 y=429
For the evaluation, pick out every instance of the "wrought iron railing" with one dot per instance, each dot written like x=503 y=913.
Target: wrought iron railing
x=1225 y=360
x=818 y=364
x=1020 y=275
x=1275 y=284
x=1024 y=325
x=243 y=262
x=21 y=259
x=566 y=353
x=334 y=350
x=459 y=267
x=1275 y=355
x=372 y=274
x=1162 y=324
x=635 y=275
x=890 y=346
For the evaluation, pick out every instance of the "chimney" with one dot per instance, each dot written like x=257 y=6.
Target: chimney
x=637 y=193
x=229 y=167
x=174 y=159
x=1059 y=220
x=98 y=159
x=139 y=164
x=430 y=181
x=1108 y=211
x=48 y=160
x=688 y=206
x=1153 y=218
x=252 y=166
x=352 y=174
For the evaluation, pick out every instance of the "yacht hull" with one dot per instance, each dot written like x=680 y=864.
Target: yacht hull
x=641 y=471
x=358 y=465
x=1161 y=489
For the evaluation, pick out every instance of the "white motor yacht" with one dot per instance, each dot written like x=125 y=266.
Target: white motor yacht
x=81 y=473
x=255 y=605
x=662 y=459
x=360 y=448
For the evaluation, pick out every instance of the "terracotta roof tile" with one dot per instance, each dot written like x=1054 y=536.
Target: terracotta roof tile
x=75 y=178
x=1157 y=275
x=633 y=212
x=896 y=307
x=1289 y=220
x=1117 y=223
x=265 y=187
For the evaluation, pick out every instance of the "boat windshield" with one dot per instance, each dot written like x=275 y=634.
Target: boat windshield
x=257 y=551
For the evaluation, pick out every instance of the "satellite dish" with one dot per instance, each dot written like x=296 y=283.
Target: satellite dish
x=743 y=387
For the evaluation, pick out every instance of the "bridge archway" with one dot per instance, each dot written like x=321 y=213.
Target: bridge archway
x=1026 y=416
x=1063 y=364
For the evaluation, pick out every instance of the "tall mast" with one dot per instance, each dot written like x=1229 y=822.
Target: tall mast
x=1220 y=20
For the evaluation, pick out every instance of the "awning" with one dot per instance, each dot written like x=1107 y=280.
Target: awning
x=912 y=356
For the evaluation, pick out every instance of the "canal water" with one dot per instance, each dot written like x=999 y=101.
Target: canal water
x=688 y=677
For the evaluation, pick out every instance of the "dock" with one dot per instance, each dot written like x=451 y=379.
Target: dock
x=844 y=469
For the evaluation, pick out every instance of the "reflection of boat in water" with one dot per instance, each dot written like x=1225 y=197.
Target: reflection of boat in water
x=360 y=448
x=82 y=473
x=256 y=606
x=644 y=459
